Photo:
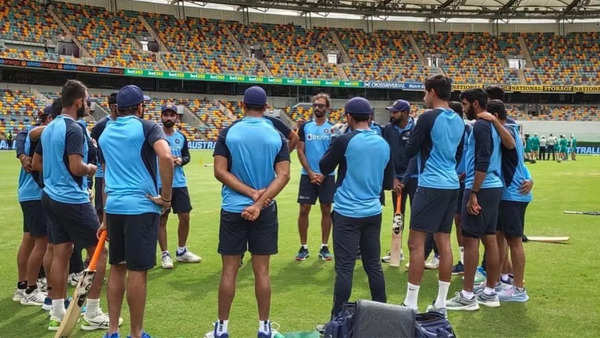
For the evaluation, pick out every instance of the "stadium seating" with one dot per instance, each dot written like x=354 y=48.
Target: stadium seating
x=557 y=60
x=472 y=57
x=380 y=56
x=18 y=110
x=200 y=45
x=290 y=51
x=26 y=20
x=109 y=38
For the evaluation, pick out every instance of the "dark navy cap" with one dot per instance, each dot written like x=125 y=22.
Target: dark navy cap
x=167 y=107
x=130 y=96
x=255 y=96
x=399 y=105
x=358 y=106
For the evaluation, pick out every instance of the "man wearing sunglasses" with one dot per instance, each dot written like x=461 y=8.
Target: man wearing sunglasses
x=315 y=136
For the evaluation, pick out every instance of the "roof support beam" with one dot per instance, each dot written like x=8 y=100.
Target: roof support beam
x=574 y=4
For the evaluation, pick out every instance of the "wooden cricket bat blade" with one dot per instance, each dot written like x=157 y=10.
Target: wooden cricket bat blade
x=548 y=239
x=397 y=227
x=80 y=294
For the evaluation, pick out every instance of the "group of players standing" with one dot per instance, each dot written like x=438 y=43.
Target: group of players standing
x=542 y=148
x=471 y=173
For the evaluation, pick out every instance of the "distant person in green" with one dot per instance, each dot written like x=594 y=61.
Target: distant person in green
x=543 y=143
x=535 y=147
x=573 y=147
x=563 y=145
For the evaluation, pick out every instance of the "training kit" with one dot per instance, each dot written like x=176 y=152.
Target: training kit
x=80 y=294
x=397 y=228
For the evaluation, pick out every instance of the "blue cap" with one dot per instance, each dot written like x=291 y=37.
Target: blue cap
x=129 y=96
x=167 y=107
x=358 y=106
x=255 y=96
x=399 y=105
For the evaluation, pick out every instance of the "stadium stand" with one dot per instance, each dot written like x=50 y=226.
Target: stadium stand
x=200 y=45
x=109 y=38
x=380 y=56
x=570 y=60
x=290 y=51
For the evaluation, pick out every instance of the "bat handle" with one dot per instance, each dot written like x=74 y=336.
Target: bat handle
x=99 y=248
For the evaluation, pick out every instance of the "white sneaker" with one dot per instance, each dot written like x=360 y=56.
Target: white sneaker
x=433 y=263
x=188 y=257
x=34 y=298
x=19 y=294
x=74 y=278
x=42 y=284
x=167 y=262
x=99 y=322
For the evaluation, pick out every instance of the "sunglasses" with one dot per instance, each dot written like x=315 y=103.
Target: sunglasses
x=319 y=105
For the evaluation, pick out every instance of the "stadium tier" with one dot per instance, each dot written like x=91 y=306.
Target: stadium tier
x=226 y=47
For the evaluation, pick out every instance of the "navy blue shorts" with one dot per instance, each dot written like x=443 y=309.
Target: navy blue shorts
x=432 y=210
x=75 y=223
x=485 y=223
x=511 y=218
x=35 y=220
x=459 y=200
x=98 y=201
x=259 y=237
x=180 y=201
x=308 y=192
x=132 y=240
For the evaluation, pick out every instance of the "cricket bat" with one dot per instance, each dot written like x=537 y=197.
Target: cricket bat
x=397 y=227
x=548 y=239
x=80 y=294
x=592 y=213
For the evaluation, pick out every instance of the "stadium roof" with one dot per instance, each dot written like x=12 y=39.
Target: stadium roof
x=501 y=10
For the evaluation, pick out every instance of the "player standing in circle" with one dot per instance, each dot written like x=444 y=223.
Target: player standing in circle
x=437 y=141
x=252 y=161
x=180 y=201
x=315 y=137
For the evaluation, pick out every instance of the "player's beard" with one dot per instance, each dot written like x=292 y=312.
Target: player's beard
x=471 y=115
x=319 y=113
x=168 y=123
x=80 y=113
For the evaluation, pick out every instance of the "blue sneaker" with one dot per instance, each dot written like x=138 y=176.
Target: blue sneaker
x=144 y=335
x=269 y=332
x=215 y=334
x=480 y=275
x=114 y=335
x=47 y=304
x=458 y=269
x=324 y=254
x=513 y=294
x=302 y=254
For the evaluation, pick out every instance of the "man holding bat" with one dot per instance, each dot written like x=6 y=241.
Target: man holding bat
x=397 y=133
x=131 y=147
x=62 y=154
x=437 y=140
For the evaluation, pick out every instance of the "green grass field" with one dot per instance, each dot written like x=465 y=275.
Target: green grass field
x=561 y=280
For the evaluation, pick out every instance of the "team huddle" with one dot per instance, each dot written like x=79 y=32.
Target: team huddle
x=472 y=174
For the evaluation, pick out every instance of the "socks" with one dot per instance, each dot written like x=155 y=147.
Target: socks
x=412 y=296
x=468 y=294
x=462 y=254
x=166 y=253
x=489 y=291
x=443 y=287
x=505 y=278
x=305 y=246
x=323 y=245
x=58 y=308
x=222 y=326
x=93 y=307
x=181 y=250
x=30 y=289
x=22 y=285
x=264 y=326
